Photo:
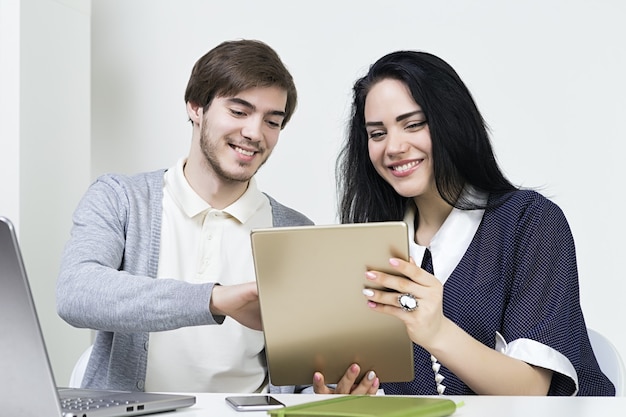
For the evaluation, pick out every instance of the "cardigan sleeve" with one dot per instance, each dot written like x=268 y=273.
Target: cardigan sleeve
x=106 y=280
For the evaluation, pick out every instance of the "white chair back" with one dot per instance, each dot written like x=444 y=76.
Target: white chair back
x=79 y=368
x=609 y=359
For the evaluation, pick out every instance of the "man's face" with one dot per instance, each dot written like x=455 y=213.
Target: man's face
x=238 y=133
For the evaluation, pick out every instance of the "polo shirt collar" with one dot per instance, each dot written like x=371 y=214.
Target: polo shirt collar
x=192 y=204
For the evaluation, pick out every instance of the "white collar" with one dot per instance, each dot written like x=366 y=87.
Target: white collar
x=451 y=241
x=192 y=204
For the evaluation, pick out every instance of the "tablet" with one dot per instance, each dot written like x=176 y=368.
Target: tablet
x=315 y=316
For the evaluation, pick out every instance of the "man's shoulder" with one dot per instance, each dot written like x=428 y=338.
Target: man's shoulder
x=283 y=215
x=140 y=180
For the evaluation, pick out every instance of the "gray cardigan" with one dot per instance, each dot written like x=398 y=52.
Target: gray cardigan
x=106 y=279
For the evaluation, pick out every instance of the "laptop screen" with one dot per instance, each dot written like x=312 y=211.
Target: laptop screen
x=27 y=383
x=26 y=378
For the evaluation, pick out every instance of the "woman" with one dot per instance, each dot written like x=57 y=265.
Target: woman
x=501 y=313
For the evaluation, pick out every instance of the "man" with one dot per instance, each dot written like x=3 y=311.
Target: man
x=165 y=256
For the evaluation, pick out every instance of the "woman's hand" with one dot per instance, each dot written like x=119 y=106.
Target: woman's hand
x=424 y=323
x=485 y=370
x=369 y=384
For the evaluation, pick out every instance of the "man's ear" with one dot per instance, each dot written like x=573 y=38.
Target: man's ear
x=194 y=111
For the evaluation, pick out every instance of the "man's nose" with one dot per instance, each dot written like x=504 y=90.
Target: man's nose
x=253 y=128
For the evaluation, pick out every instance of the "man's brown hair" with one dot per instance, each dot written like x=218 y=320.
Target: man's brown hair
x=235 y=66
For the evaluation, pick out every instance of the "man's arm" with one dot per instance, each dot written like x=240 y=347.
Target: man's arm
x=108 y=269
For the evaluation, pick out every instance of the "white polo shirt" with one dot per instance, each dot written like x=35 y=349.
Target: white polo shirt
x=201 y=244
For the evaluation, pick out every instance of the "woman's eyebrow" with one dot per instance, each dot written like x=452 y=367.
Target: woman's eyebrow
x=398 y=119
x=407 y=115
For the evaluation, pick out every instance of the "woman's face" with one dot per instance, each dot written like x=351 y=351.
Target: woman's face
x=399 y=139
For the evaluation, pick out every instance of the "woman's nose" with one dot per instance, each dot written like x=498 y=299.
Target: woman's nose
x=396 y=143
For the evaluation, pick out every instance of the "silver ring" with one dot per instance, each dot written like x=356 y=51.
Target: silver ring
x=407 y=302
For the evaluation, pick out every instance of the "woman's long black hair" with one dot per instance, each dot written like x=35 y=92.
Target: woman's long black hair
x=461 y=150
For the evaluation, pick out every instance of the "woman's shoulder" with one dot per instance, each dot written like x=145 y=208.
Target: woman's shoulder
x=525 y=202
x=522 y=198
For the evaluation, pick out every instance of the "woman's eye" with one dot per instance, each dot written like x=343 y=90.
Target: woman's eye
x=376 y=135
x=416 y=125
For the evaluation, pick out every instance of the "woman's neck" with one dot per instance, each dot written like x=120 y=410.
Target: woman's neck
x=431 y=214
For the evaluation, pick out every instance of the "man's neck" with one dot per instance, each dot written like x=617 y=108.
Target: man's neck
x=216 y=191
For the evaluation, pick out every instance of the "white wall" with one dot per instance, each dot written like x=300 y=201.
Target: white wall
x=54 y=154
x=547 y=74
x=45 y=145
x=9 y=109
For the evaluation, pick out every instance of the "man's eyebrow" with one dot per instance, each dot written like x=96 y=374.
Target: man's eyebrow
x=278 y=113
x=245 y=103
x=398 y=119
x=237 y=100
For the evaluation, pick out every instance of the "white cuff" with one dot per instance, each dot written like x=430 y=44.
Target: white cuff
x=538 y=354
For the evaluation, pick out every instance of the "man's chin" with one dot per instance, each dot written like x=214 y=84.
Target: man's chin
x=235 y=177
x=235 y=171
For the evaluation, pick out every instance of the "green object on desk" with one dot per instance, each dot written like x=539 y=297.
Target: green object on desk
x=370 y=406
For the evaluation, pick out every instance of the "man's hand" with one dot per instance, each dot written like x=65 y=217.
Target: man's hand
x=240 y=302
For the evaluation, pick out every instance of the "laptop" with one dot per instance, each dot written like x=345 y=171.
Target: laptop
x=26 y=380
x=315 y=316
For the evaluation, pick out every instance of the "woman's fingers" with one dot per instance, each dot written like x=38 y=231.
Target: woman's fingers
x=369 y=384
x=408 y=275
x=319 y=386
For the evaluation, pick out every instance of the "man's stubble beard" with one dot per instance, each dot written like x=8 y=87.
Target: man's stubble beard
x=209 y=149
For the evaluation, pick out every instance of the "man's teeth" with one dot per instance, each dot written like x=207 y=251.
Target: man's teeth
x=244 y=152
x=405 y=167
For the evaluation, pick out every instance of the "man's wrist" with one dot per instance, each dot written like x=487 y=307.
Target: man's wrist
x=218 y=315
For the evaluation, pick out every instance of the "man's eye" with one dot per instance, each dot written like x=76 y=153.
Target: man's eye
x=273 y=124
x=237 y=113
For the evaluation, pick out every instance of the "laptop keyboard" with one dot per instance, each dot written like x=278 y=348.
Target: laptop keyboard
x=71 y=405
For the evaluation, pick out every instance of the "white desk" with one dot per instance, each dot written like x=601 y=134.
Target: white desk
x=213 y=405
